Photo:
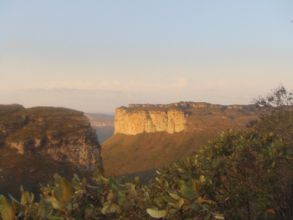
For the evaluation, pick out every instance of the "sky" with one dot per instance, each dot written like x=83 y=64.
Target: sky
x=97 y=55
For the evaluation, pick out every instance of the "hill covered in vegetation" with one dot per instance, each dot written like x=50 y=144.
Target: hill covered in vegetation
x=37 y=142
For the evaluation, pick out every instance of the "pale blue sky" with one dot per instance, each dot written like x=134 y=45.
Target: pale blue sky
x=97 y=55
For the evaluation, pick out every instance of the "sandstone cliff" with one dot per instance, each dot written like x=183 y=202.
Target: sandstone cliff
x=62 y=134
x=132 y=122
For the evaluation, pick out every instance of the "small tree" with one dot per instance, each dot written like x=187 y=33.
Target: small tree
x=277 y=113
x=280 y=97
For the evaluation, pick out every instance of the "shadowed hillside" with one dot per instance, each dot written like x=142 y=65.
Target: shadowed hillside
x=30 y=170
x=38 y=142
x=124 y=154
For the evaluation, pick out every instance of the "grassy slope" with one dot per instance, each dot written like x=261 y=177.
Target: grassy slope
x=131 y=154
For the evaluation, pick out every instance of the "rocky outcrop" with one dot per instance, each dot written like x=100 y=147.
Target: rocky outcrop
x=178 y=117
x=132 y=122
x=62 y=134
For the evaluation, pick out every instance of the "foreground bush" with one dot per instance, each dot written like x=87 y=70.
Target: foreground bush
x=245 y=176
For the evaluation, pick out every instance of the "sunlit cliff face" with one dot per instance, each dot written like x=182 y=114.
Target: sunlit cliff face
x=145 y=121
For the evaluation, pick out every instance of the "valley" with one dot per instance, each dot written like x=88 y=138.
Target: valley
x=103 y=124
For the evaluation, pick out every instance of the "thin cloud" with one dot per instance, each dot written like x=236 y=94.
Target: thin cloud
x=116 y=86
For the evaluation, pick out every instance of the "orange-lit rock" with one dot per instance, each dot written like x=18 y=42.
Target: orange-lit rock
x=132 y=122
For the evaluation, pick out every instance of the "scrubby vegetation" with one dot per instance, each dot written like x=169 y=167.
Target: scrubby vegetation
x=244 y=174
x=21 y=124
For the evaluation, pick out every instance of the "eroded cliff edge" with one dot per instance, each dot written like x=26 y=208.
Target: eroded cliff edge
x=131 y=121
x=62 y=134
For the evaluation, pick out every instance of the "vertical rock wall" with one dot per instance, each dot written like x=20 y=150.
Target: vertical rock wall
x=137 y=121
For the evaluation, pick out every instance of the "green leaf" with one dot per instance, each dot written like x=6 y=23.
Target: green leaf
x=219 y=216
x=63 y=191
x=202 y=179
x=187 y=190
x=180 y=201
x=55 y=203
x=174 y=196
x=6 y=210
x=202 y=200
x=110 y=208
x=55 y=218
x=155 y=213
x=121 y=197
x=26 y=197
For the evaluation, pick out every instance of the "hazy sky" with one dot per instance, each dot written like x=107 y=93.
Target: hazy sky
x=100 y=54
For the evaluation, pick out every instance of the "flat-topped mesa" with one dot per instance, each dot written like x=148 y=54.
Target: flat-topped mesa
x=64 y=135
x=131 y=122
x=180 y=105
x=176 y=117
x=186 y=105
